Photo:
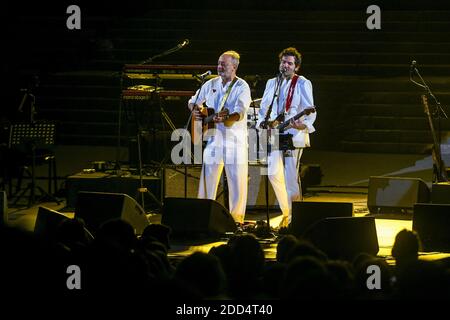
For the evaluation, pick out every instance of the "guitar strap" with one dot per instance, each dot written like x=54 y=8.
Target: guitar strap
x=288 y=152
x=227 y=93
x=287 y=104
x=291 y=93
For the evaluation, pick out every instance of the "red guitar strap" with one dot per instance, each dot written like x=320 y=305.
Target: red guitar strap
x=291 y=92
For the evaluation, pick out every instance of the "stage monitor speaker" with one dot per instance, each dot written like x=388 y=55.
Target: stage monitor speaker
x=102 y=182
x=196 y=218
x=96 y=208
x=344 y=237
x=3 y=208
x=48 y=222
x=440 y=193
x=395 y=194
x=432 y=224
x=174 y=176
x=306 y=213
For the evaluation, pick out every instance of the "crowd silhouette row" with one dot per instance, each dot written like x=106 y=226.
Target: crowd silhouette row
x=116 y=262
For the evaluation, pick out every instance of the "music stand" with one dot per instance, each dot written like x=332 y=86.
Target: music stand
x=28 y=137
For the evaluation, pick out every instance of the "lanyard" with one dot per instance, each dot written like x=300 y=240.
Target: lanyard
x=227 y=93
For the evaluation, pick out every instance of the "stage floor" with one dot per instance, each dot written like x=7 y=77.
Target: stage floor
x=387 y=226
x=345 y=179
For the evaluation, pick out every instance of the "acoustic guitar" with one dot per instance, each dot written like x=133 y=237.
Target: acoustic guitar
x=207 y=122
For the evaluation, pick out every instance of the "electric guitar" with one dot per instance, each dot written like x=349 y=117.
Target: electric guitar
x=438 y=164
x=279 y=125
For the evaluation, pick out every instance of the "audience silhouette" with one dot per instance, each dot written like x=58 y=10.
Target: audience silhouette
x=117 y=262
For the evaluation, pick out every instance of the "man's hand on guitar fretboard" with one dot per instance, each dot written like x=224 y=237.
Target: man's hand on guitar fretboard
x=197 y=114
x=221 y=116
x=297 y=124
x=270 y=124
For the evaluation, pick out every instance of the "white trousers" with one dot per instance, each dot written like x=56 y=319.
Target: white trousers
x=285 y=183
x=237 y=183
x=291 y=172
x=277 y=179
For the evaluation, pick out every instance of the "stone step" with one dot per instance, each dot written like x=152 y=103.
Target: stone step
x=397 y=123
x=390 y=136
x=395 y=110
x=385 y=147
x=87 y=91
x=139 y=28
x=79 y=115
x=82 y=103
x=401 y=97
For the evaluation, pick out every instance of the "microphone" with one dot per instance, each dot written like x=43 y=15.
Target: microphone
x=204 y=75
x=183 y=44
x=412 y=68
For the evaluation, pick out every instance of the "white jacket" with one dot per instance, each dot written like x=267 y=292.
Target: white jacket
x=302 y=98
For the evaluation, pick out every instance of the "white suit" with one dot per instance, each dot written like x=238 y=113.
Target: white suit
x=286 y=183
x=228 y=146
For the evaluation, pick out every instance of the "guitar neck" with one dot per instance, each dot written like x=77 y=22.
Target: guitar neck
x=286 y=123
x=208 y=119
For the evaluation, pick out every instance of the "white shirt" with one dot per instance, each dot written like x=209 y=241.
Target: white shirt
x=238 y=101
x=302 y=98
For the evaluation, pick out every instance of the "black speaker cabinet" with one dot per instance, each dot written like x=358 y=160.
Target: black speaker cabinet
x=306 y=213
x=196 y=218
x=48 y=221
x=96 y=208
x=102 y=182
x=396 y=195
x=440 y=193
x=344 y=237
x=432 y=224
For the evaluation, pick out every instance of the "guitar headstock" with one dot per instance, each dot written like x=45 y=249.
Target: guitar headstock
x=309 y=110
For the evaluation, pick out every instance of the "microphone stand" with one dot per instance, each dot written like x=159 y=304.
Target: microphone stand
x=165 y=53
x=202 y=82
x=141 y=190
x=439 y=110
x=267 y=231
x=424 y=85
